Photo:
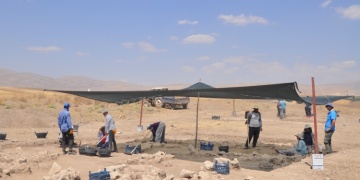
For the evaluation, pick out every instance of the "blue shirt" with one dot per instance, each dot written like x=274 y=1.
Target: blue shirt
x=301 y=147
x=282 y=104
x=331 y=116
x=64 y=120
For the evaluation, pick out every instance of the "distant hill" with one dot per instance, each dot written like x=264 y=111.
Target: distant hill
x=30 y=80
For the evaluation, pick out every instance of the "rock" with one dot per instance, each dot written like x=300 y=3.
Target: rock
x=235 y=163
x=55 y=168
x=265 y=165
x=209 y=165
x=277 y=160
x=7 y=172
x=147 y=156
x=22 y=160
x=186 y=173
x=169 y=177
x=203 y=175
x=69 y=173
x=192 y=149
x=249 y=178
x=125 y=177
x=221 y=160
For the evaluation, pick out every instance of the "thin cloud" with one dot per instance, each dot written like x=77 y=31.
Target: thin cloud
x=43 y=49
x=174 y=38
x=81 y=54
x=199 y=39
x=147 y=47
x=344 y=64
x=188 y=69
x=184 y=21
x=214 y=68
x=235 y=60
x=203 y=58
x=128 y=44
x=351 y=12
x=242 y=19
x=325 y=3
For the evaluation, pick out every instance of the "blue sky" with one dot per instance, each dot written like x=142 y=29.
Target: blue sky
x=180 y=42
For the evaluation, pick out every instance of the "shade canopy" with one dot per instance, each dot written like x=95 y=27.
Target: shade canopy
x=287 y=91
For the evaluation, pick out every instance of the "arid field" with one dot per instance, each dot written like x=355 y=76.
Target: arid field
x=26 y=111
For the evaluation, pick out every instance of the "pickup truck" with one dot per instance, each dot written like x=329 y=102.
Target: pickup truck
x=167 y=102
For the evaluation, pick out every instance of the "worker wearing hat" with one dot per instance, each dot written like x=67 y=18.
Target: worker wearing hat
x=254 y=123
x=329 y=127
x=308 y=138
x=110 y=129
x=66 y=128
x=300 y=148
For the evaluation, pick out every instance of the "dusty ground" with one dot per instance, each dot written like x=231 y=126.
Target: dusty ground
x=22 y=112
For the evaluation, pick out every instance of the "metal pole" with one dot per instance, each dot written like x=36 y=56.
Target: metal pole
x=141 y=110
x=315 y=123
x=197 y=119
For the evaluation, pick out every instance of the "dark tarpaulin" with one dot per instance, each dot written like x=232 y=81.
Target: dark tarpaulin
x=287 y=91
x=322 y=100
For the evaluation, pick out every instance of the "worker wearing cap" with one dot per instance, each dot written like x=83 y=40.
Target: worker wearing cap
x=300 y=147
x=66 y=128
x=254 y=127
x=110 y=129
x=329 y=127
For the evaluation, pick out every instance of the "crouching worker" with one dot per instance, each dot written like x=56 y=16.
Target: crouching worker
x=308 y=138
x=158 y=131
x=66 y=128
x=300 y=148
x=103 y=139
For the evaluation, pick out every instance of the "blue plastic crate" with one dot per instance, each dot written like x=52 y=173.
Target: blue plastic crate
x=221 y=168
x=206 y=146
x=102 y=175
x=128 y=149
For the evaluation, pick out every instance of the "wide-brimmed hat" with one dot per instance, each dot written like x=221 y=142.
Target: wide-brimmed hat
x=307 y=126
x=329 y=105
x=104 y=111
x=300 y=135
x=255 y=107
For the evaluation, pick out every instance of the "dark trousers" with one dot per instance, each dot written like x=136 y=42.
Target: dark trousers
x=253 y=132
x=307 y=111
x=66 y=136
x=112 y=141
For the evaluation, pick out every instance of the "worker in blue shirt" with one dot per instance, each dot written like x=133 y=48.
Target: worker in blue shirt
x=66 y=128
x=329 y=127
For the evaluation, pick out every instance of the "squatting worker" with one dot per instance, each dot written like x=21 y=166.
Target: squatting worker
x=254 y=127
x=110 y=129
x=329 y=127
x=66 y=128
x=158 y=131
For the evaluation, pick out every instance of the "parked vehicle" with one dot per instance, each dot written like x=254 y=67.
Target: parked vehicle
x=166 y=101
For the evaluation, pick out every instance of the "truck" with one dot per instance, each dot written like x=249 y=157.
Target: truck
x=166 y=101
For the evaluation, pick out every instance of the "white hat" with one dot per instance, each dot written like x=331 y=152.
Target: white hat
x=104 y=111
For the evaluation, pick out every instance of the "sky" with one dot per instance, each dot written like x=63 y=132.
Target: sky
x=183 y=41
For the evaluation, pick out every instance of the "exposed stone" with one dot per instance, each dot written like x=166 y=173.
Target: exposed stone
x=192 y=149
x=235 y=163
x=55 y=168
x=22 y=160
x=208 y=165
x=265 y=165
x=186 y=173
x=249 y=178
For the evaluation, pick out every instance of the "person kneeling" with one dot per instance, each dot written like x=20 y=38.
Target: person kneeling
x=103 y=139
x=158 y=132
x=300 y=148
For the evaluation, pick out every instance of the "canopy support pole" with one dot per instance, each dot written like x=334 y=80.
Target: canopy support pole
x=315 y=123
x=197 y=119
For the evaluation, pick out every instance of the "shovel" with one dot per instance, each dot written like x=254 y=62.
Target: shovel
x=130 y=153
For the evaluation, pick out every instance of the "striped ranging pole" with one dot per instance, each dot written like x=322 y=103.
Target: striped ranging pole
x=315 y=123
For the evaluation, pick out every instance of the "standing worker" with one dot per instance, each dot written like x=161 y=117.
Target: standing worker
x=329 y=127
x=282 y=108
x=158 y=131
x=254 y=127
x=110 y=129
x=66 y=128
